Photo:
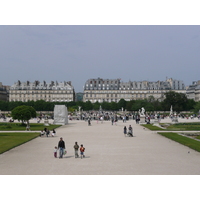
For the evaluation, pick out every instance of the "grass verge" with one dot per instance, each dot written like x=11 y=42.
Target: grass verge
x=11 y=140
x=191 y=143
x=198 y=137
x=6 y=126
x=175 y=127
x=185 y=126
x=152 y=128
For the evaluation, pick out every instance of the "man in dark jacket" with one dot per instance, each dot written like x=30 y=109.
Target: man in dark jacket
x=61 y=147
x=76 y=147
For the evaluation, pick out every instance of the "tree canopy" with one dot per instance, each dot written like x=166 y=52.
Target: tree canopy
x=179 y=101
x=23 y=113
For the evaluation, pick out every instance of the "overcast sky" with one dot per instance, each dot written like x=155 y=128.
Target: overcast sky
x=77 y=53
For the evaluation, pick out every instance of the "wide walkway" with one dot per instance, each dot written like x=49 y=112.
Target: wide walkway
x=107 y=152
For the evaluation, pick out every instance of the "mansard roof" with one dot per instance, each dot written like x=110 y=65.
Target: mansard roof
x=42 y=85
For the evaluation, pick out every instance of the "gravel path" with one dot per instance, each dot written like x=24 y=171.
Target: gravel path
x=108 y=152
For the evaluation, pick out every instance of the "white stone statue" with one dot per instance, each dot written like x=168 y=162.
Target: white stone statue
x=100 y=108
x=171 y=111
x=143 y=111
x=79 y=110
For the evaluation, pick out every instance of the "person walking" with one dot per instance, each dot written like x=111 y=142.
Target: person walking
x=82 y=150
x=47 y=132
x=89 y=121
x=76 y=147
x=130 y=131
x=101 y=119
x=55 y=152
x=61 y=147
x=112 y=120
x=124 y=118
x=125 y=130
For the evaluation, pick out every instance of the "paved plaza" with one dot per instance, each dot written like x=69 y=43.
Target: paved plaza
x=108 y=152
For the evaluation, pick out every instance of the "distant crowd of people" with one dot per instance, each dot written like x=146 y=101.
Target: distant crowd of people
x=107 y=116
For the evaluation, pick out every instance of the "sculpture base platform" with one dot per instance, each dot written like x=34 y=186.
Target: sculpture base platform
x=46 y=122
x=142 y=119
x=175 y=120
x=60 y=115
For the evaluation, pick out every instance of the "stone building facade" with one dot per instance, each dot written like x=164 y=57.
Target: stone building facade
x=33 y=91
x=4 y=94
x=112 y=90
x=193 y=91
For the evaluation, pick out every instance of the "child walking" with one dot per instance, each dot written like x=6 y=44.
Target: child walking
x=82 y=149
x=55 y=152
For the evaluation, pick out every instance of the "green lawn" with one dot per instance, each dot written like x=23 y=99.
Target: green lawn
x=175 y=127
x=191 y=143
x=185 y=127
x=11 y=140
x=198 y=137
x=152 y=128
x=7 y=126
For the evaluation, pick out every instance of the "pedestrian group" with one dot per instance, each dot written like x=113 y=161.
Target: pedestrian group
x=62 y=149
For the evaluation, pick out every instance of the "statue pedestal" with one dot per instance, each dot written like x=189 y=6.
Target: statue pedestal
x=142 y=119
x=60 y=115
x=175 y=119
x=156 y=121
x=46 y=122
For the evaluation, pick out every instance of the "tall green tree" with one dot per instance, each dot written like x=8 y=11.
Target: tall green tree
x=88 y=105
x=105 y=105
x=122 y=104
x=113 y=106
x=197 y=108
x=177 y=100
x=139 y=104
x=129 y=105
x=190 y=105
x=23 y=113
x=4 y=105
x=96 y=105
x=40 y=105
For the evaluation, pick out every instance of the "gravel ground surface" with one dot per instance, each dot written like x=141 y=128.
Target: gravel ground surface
x=108 y=152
